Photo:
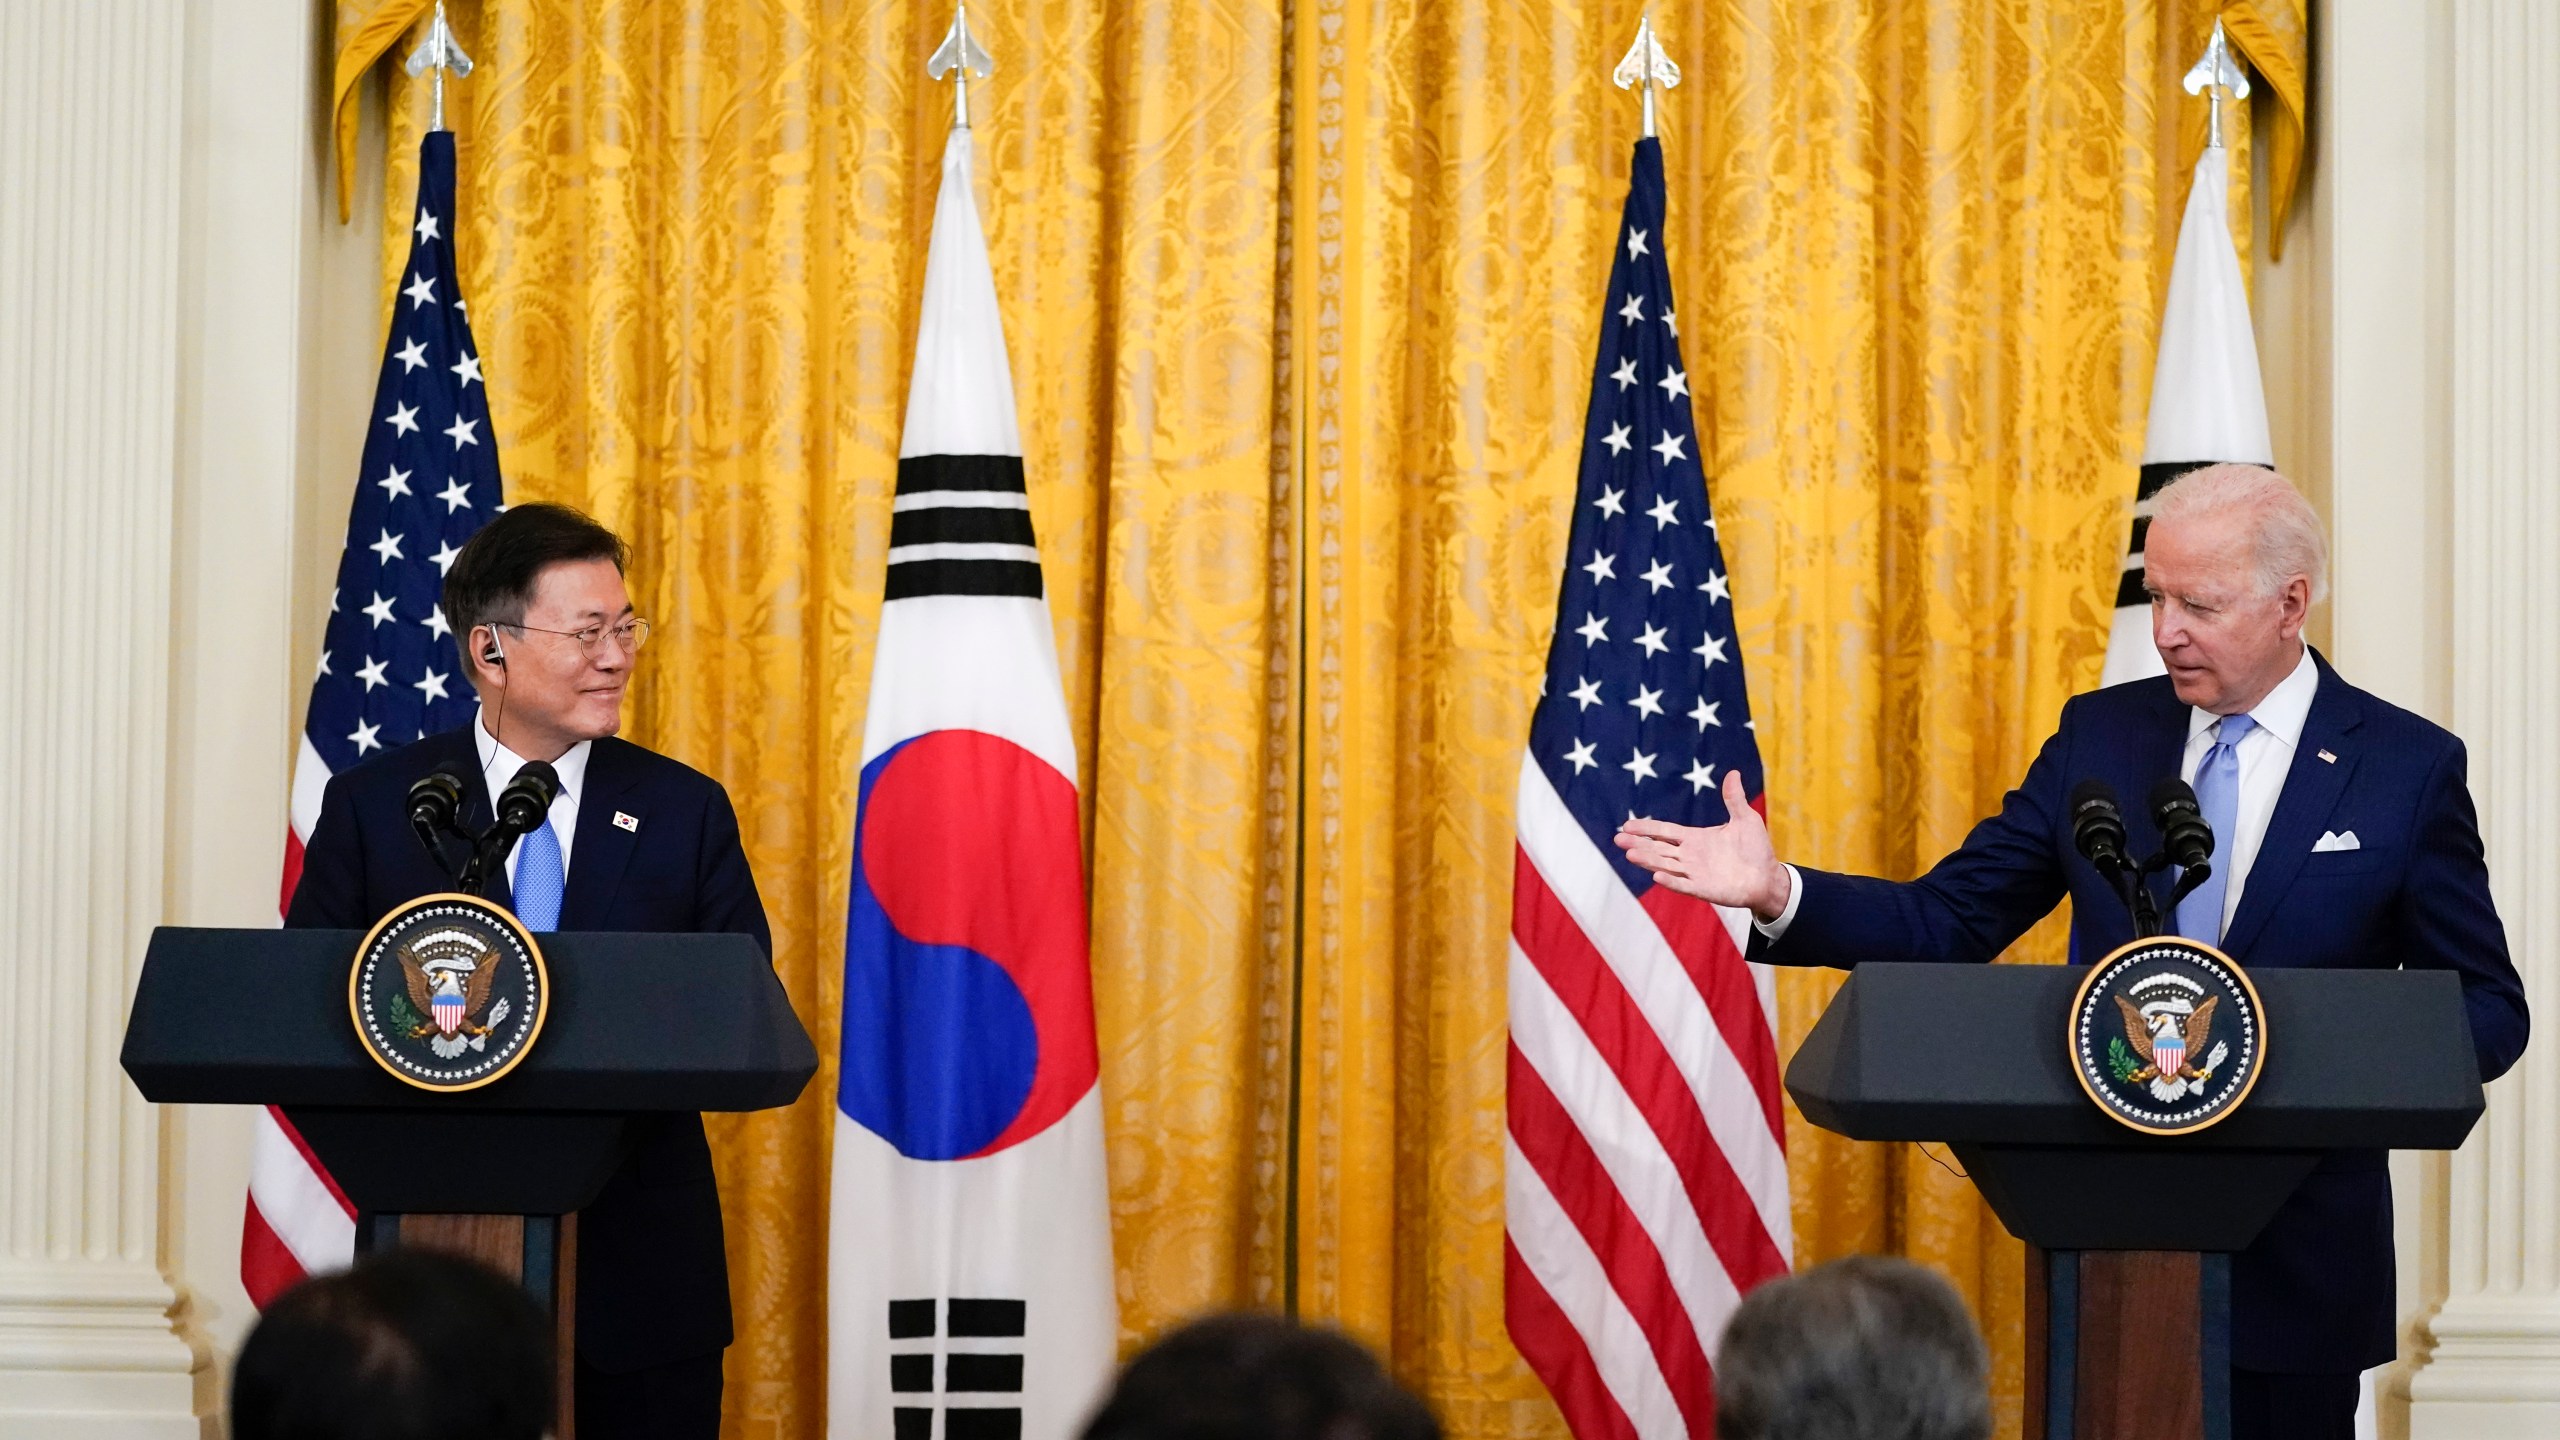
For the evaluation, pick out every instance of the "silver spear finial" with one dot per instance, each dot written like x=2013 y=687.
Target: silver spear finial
x=960 y=56
x=1645 y=67
x=440 y=52
x=2215 y=73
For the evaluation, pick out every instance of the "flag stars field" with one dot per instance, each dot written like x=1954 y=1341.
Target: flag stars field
x=403 y=533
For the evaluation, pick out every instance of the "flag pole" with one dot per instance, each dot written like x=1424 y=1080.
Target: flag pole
x=1645 y=67
x=958 y=56
x=2214 y=74
x=440 y=52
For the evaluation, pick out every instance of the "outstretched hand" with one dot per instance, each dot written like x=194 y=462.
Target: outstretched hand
x=1728 y=864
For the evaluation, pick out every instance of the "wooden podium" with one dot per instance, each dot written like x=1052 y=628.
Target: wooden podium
x=1975 y=1056
x=639 y=1025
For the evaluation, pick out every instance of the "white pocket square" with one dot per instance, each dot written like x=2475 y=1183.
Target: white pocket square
x=2337 y=840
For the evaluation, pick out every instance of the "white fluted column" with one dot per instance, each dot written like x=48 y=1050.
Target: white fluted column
x=91 y=95
x=2494 y=1365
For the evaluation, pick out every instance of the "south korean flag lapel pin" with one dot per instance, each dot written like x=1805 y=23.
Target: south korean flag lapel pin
x=625 y=820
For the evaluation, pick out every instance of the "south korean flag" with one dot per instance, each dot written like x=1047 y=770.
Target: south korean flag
x=2208 y=405
x=970 y=1275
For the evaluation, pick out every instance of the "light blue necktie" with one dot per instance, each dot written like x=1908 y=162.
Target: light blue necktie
x=540 y=877
x=2218 y=796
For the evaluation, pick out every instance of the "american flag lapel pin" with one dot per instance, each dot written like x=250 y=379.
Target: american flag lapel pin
x=2328 y=758
x=624 y=820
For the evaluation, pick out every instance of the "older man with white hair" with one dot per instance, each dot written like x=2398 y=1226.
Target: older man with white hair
x=2345 y=837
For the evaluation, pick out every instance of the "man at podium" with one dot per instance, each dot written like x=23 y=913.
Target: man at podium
x=634 y=841
x=2345 y=837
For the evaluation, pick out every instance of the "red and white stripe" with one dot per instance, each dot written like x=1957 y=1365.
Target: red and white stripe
x=1646 y=1167
x=298 y=1222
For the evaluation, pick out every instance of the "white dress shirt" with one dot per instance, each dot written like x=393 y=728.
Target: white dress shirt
x=2266 y=757
x=498 y=765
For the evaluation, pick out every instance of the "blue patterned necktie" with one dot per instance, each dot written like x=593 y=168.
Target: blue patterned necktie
x=2218 y=796
x=540 y=877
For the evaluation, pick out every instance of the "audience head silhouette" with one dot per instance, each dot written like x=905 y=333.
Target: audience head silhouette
x=1867 y=1348
x=1258 y=1377
x=408 y=1345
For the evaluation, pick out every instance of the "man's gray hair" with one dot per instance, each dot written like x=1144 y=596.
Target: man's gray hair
x=1867 y=1348
x=2285 y=537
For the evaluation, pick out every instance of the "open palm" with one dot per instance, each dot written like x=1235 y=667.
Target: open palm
x=1728 y=864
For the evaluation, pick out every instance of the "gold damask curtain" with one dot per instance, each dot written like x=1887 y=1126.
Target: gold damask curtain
x=1300 y=296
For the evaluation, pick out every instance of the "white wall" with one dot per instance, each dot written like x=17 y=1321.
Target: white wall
x=187 y=344
x=280 y=345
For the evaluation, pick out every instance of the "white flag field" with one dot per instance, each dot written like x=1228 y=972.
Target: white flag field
x=969 y=1272
x=2208 y=405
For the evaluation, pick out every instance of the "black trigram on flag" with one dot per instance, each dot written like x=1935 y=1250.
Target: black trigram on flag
x=977 y=1392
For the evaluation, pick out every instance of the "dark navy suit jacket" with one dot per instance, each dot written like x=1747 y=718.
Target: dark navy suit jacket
x=2315 y=1294
x=653 y=1274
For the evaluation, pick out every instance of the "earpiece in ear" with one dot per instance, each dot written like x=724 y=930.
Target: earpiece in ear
x=493 y=654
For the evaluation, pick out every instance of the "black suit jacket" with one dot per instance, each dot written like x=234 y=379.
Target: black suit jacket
x=2315 y=1294
x=653 y=1274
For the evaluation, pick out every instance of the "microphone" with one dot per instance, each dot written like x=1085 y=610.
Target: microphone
x=2097 y=826
x=2183 y=831
x=528 y=798
x=435 y=803
x=2097 y=832
x=2187 y=841
x=521 y=808
x=435 y=806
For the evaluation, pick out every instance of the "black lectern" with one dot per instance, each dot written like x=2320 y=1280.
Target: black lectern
x=638 y=1024
x=1976 y=1056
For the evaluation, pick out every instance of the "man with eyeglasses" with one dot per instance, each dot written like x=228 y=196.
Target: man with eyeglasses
x=634 y=842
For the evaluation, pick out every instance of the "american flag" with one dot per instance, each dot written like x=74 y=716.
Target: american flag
x=388 y=668
x=1646 y=1163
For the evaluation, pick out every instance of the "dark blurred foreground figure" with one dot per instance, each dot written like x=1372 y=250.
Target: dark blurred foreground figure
x=1258 y=1377
x=408 y=1345
x=1867 y=1348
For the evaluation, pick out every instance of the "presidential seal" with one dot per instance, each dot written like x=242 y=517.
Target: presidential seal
x=448 y=992
x=2167 y=1035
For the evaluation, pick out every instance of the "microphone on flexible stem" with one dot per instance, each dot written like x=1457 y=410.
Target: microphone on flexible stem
x=435 y=809
x=521 y=808
x=2186 y=838
x=528 y=798
x=2097 y=825
x=2097 y=832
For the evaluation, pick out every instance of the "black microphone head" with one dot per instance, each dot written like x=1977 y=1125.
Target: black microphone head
x=528 y=797
x=2092 y=791
x=436 y=799
x=2172 y=792
x=2183 y=831
x=2097 y=823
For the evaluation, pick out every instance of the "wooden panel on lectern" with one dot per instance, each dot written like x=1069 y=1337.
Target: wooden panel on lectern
x=2137 y=1373
x=496 y=1241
